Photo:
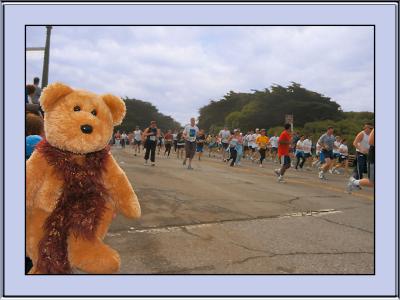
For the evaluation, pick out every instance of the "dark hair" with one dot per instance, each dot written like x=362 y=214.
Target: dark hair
x=287 y=126
x=34 y=124
x=36 y=80
x=30 y=89
x=330 y=127
x=369 y=124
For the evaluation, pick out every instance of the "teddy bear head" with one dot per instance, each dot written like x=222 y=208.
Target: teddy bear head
x=79 y=121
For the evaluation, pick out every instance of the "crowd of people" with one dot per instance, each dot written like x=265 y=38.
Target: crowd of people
x=329 y=154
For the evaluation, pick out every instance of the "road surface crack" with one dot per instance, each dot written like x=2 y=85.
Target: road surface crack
x=347 y=225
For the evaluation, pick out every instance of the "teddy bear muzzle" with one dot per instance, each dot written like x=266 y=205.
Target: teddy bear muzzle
x=87 y=129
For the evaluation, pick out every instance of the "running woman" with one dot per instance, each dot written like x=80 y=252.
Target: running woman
x=326 y=141
x=180 y=144
x=117 y=137
x=362 y=147
x=190 y=133
x=160 y=142
x=175 y=139
x=137 y=140
x=224 y=136
x=151 y=134
x=200 y=140
x=371 y=167
x=124 y=137
x=252 y=144
x=285 y=140
x=299 y=153
x=262 y=143
x=212 y=145
x=168 y=142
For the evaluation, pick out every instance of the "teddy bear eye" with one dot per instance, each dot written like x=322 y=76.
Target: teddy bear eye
x=94 y=112
x=77 y=108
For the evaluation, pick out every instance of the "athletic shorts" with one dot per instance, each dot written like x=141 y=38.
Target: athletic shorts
x=274 y=150
x=325 y=154
x=336 y=155
x=306 y=155
x=180 y=146
x=225 y=145
x=135 y=142
x=245 y=148
x=299 y=154
x=199 y=148
x=253 y=149
x=342 y=158
x=371 y=172
x=190 y=148
x=285 y=160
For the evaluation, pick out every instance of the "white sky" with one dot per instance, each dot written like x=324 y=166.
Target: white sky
x=180 y=69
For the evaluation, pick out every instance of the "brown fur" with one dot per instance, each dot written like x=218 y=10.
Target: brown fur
x=45 y=183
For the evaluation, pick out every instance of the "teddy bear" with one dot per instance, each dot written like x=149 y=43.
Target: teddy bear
x=74 y=187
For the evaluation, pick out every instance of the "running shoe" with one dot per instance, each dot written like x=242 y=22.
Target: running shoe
x=153 y=164
x=350 y=185
x=189 y=168
x=321 y=175
x=280 y=179
x=277 y=172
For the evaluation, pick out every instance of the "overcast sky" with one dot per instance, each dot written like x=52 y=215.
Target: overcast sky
x=180 y=69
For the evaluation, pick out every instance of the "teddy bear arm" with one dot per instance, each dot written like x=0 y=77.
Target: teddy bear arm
x=121 y=191
x=36 y=167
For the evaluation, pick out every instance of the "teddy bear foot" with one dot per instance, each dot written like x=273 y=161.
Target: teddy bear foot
x=93 y=256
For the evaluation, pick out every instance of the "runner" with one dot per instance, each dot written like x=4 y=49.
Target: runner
x=200 y=140
x=190 y=133
x=160 y=142
x=326 y=141
x=117 y=138
x=371 y=167
x=212 y=144
x=180 y=144
x=168 y=142
x=262 y=142
x=343 y=158
x=124 y=137
x=246 y=145
x=300 y=153
x=151 y=134
x=233 y=142
x=224 y=136
x=175 y=139
x=252 y=144
x=137 y=140
x=274 y=147
x=307 y=146
x=255 y=155
x=285 y=140
x=362 y=147
x=239 y=148
x=336 y=153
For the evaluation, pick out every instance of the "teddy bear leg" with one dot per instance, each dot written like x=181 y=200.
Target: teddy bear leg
x=92 y=256
x=34 y=223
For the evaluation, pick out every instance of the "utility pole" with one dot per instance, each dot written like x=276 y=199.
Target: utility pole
x=45 y=75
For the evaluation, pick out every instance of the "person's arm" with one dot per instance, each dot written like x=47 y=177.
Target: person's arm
x=158 y=133
x=358 y=140
x=371 y=139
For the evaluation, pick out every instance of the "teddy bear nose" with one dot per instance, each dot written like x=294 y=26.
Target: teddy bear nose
x=86 y=128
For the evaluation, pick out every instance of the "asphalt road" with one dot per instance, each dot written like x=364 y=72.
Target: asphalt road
x=221 y=220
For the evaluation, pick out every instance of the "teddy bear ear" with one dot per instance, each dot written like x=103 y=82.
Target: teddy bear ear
x=117 y=108
x=52 y=93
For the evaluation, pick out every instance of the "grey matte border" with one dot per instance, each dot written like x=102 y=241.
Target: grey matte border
x=180 y=285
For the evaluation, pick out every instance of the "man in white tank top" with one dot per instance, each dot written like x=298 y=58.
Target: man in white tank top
x=362 y=147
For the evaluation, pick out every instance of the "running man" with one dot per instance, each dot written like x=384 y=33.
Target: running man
x=371 y=167
x=274 y=147
x=300 y=153
x=224 y=136
x=151 y=134
x=307 y=146
x=175 y=139
x=137 y=140
x=285 y=140
x=343 y=158
x=326 y=141
x=262 y=142
x=190 y=133
x=362 y=147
